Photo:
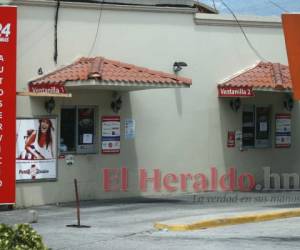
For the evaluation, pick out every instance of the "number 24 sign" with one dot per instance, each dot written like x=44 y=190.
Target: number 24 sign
x=4 y=32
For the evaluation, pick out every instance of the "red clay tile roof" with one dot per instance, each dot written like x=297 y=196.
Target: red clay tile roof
x=264 y=75
x=106 y=70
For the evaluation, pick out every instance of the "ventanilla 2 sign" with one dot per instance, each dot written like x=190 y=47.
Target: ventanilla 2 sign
x=230 y=91
x=8 y=33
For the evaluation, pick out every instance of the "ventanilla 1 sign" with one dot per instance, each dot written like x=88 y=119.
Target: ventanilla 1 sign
x=8 y=33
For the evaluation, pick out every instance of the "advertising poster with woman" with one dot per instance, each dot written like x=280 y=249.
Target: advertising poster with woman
x=36 y=151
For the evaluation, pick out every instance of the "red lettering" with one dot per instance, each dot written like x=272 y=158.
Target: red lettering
x=168 y=179
x=156 y=180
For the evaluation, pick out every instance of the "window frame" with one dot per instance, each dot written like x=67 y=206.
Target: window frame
x=80 y=149
x=258 y=143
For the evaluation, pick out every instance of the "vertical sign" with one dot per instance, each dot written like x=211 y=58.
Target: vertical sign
x=291 y=24
x=111 y=132
x=8 y=33
x=283 y=131
x=129 y=129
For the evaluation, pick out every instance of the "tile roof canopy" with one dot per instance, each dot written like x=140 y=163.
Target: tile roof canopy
x=264 y=75
x=105 y=70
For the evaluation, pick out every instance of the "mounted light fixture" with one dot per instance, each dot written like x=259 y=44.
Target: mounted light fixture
x=116 y=104
x=40 y=71
x=235 y=104
x=50 y=105
x=288 y=103
x=177 y=66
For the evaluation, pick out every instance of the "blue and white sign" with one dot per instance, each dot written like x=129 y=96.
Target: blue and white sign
x=283 y=131
x=129 y=129
x=111 y=129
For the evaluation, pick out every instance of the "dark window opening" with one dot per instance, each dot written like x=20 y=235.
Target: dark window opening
x=68 y=130
x=78 y=130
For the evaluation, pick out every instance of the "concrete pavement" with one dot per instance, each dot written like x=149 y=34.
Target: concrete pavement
x=128 y=224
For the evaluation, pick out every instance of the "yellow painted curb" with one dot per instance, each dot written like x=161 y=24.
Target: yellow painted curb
x=248 y=218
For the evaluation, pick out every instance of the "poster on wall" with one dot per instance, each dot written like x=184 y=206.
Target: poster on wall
x=111 y=132
x=129 y=129
x=36 y=149
x=8 y=35
x=283 y=131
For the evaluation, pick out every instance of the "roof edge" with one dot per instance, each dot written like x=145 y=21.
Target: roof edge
x=100 y=83
x=206 y=6
x=106 y=6
x=229 y=20
x=285 y=90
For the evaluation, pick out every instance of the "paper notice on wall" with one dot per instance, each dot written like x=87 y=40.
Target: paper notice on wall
x=283 y=131
x=111 y=131
x=263 y=126
x=87 y=138
x=129 y=129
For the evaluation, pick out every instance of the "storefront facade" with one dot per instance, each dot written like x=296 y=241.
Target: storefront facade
x=176 y=130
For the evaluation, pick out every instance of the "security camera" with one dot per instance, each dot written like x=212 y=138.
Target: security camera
x=177 y=66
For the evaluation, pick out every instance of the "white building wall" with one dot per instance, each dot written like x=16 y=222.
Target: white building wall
x=177 y=130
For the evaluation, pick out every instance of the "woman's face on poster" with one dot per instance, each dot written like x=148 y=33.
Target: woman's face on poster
x=45 y=125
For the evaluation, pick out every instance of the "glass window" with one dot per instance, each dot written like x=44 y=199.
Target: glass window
x=263 y=127
x=78 y=129
x=256 y=127
x=248 y=127
x=86 y=122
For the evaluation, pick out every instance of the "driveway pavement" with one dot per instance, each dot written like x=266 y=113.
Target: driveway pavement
x=128 y=224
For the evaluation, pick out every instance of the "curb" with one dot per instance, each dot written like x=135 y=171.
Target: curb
x=225 y=221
